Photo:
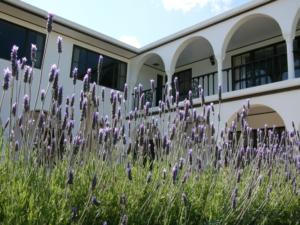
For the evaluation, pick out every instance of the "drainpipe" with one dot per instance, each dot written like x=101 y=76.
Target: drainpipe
x=289 y=39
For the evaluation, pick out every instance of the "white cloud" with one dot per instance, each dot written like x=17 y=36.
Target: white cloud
x=215 y=6
x=131 y=40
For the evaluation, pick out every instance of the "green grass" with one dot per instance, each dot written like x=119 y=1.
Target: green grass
x=32 y=194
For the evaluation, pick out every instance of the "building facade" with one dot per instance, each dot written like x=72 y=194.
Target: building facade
x=252 y=52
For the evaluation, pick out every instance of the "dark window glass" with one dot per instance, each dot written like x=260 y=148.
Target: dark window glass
x=184 y=83
x=260 y=66
x=297 y=56
x=12 y=34
x=113 y=72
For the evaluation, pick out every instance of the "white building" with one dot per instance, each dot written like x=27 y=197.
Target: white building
x=252 y=51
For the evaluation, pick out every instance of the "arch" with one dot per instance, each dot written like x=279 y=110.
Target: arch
x=239 y=24
x=295 y=23
x=259 y=115
x=183 y=45
x=147 y=57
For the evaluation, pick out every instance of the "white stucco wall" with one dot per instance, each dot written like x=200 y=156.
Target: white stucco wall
x=51 y=58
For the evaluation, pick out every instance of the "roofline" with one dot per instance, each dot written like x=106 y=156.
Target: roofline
x=72 y=25
x=156 y=44
x=206 y=23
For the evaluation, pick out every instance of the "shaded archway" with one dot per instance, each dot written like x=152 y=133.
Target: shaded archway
x=194 y=64
x=255 y=52
x=151 y=67
x=260 y=116
x=261 y=119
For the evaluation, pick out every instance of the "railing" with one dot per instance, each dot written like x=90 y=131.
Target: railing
x=244 y=76
x=208 y=82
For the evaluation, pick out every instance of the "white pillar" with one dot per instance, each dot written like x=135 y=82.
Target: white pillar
x=220 y=70
x=169 y=82
x=289 y=39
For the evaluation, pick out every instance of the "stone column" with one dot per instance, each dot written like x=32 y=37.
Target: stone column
x=220 y=59
x=289 y=40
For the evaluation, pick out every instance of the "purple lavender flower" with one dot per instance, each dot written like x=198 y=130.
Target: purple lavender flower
x=72 y=100
x=75 y=75
x=60 y=95
x=30 y=75
x=234 y=198
x=177 y=98
x=95 y=120
x=125 y=91
x=33 y=52
x=176 y=83
x=14 y=61
x=142 y=100
x=94 y=182
x=17 y=146
x=23 y=63
x=74 y=213
x=103 y=94
x=190 y=156
x=14 y=109
x=49 y=22
x=128 y=170
x=140 y=89
x=26 y=103
x=124 y=220
x=70 y=177
x=152 y=85
x=174 y=173
x=86 y=83
x=95 y=201
x=7 y=75
x=59 y=44
x=43 y=95
x=297 y=162
x=52 y=73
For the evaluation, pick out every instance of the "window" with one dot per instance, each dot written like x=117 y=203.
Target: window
x=12 y=34
x=184 y=83
x=113 y=72
x=260 y=66
x=297 y=56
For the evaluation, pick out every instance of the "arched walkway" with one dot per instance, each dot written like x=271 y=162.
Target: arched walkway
x=255 y=52
x=194 y=64
x=151 y=67
x=260 y=116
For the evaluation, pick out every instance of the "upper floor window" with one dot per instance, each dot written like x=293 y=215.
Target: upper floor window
x=12 y=34
x=297 y=56
x=260 y=66
x=113 y=72
x=184 y=83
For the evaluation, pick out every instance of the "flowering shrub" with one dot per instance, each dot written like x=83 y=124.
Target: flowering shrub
x=175 y=167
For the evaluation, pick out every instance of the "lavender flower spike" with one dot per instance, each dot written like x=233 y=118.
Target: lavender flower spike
x=7 y=74
x=49 y=22
x=74 y=75
x=59 y=44
x=26 y=103
x=52 y=73
x=33 y=52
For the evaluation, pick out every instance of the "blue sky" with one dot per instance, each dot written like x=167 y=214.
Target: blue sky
x=136 y=22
